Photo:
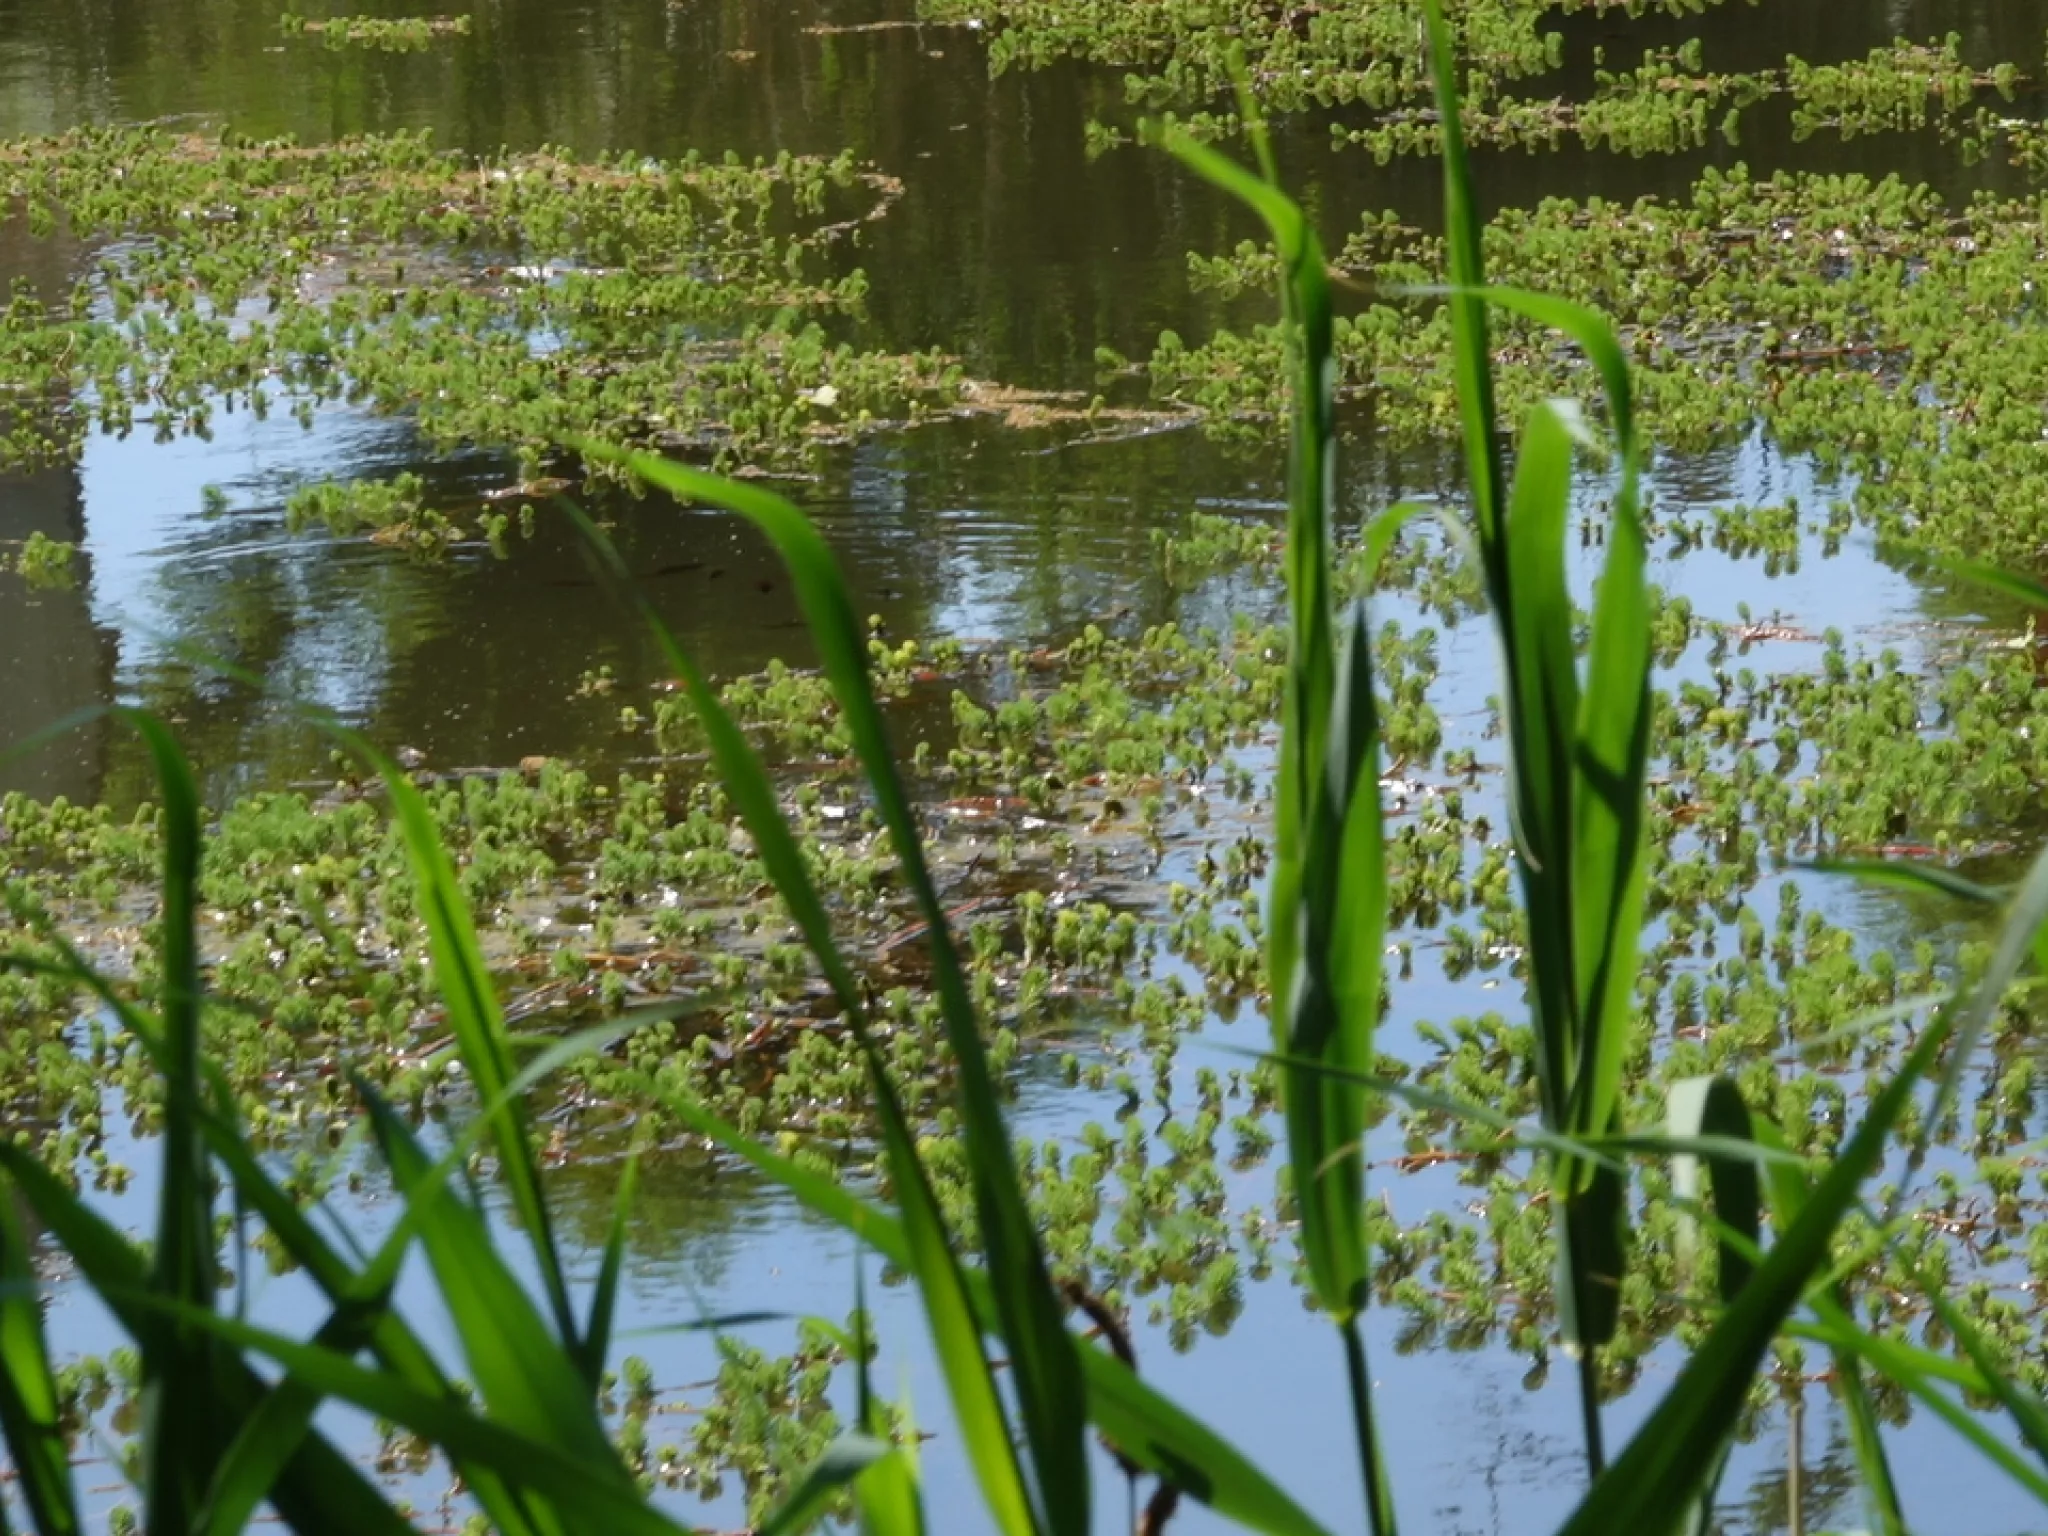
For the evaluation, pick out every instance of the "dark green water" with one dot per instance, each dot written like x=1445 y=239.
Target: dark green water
x=1010 y=249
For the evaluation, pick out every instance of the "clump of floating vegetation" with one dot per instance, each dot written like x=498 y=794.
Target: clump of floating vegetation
x=520 y=300
x=1869 y=324
x=45 y=562
x=398 y=34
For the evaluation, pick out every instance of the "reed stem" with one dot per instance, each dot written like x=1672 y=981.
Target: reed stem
x=1589 y=1415
x=1379 y=1496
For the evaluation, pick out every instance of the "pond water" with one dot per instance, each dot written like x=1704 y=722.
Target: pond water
x=1016 y=252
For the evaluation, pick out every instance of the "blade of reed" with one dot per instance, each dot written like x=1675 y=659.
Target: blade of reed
x=1049 y=1391
x=886 y=1493
x=1700 y=1107
x=1650 y=1487
x=1543 y=682
x=1919 y=1372
x=1904 y=875
x=180 y=1447
x=2026 y=1410
x=1712 y=1106
x=1654 y=1484
x=396 y=1348
x=478 y=1024
x=530 y=1380
x=30 y=1409
x=851 y=1454
x=1311 y=680
x=1992 y=578
x=1327 y=908
x=322 y=1490
x=597 y=1336
x=1576 y=780
x=1790 y=1184
x=1540 y=749
x=603 y=1500
x=1149 y=1428
x=257 y=1457
x=1471 y=352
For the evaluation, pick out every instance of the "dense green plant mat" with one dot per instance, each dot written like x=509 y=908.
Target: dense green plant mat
x=397 y=34
x=598 y=896
x=1889 y=337
x=1359 y=63
x=516 y=302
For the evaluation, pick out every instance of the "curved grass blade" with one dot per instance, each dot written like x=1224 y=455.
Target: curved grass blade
x=597 y=1336
x=1148 y=1427
x=1543 y=683
x=478 y=1024
x=1991 y=577
x=180 y=1447
x=1790 y=1184
x=1703 y=1107
x=887 y=1493
x=1471 y=350
x=1918 y=1372
x=343 y=1286
x=847 y=1458
x=257 y=1457
x=1712 y=1106
x=1311 y=673
x=1904 y=875
x=1327 y=910
x=321 y=1489
x=2026 y=1410
x=1655 y=1483
x=528 y=1378
x=392 y=1342
x=928 y=1252
x=1382 y=530
x=1651 y=1485
x=603 y=1501
x=30 y=1410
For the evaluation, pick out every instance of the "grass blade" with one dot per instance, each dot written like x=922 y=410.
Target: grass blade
x=1700 y=1107
x=1471 y=350
x=30 y=1412
x=1903 y=875
x=1712 y=1106
x=1651 y=1487
x=179 y=1446
x=1048 y=1383
x=1149 y=1428
x=526 y=1377
x=1654 y=1485
x=478 y=1024
x=597 y=1337
x=395 y=1346
x=1790 y=1186
x=603 y=1499
x=927 y=1251
x=1918 y=1372
x=1327 y=908
x=887 y=1493
x=842 y=1462
x=321 y=1489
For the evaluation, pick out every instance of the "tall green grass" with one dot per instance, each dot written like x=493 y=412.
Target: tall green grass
x=222 y=1438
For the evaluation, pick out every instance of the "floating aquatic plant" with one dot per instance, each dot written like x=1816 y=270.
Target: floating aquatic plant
x=395 y=34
